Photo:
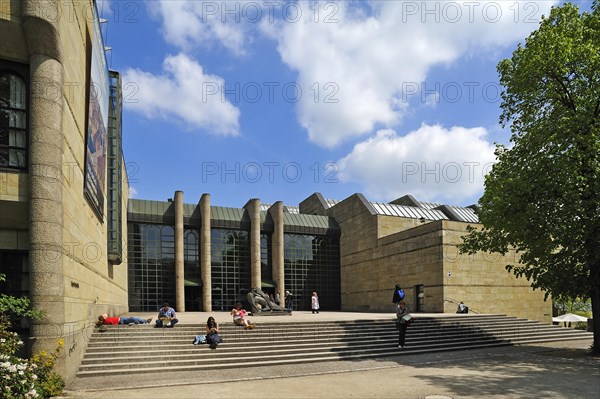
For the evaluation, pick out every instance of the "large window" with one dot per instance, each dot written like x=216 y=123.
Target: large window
x=151 y=266
x=266 y=267
x=15 y=266
x=13 y=120
x=230 y=267
x=312 y=263
x=193 y=279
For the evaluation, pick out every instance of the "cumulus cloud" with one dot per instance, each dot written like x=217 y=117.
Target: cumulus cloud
x=432 y=163
x=183 y=92
x=369 y=53
x=197 y=23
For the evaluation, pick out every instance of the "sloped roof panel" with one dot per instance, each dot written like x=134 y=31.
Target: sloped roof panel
x=465 y=214
x=407 y=211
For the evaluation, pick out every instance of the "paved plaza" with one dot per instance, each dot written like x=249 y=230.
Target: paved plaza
x=549 y=370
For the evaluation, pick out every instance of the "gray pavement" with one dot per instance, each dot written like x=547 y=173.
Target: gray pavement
x=550 y=370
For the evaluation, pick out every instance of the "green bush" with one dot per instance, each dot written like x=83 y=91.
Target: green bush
x=21 y=378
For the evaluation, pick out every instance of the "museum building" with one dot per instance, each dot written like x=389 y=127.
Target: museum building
x=72 y=241
x=352 y=252
x=63 y=183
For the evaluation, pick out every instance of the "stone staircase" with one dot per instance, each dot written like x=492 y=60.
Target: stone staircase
x=143 y=349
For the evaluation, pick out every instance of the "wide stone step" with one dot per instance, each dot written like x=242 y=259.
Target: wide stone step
x=277 y=347
x=268 y=336
x=389 y=350
x=204 y=354
x=133 y=349
x=284 y=346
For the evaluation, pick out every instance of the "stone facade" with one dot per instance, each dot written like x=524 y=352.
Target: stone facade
x=378 y=251
x=46 y=215
x=70 y=276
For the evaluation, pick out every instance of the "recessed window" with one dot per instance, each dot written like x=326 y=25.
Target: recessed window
x=13 y=121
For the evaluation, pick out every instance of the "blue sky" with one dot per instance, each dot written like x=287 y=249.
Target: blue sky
x=277 y=100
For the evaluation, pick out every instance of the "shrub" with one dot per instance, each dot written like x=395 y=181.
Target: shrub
x=21 y=378
x=18 y=378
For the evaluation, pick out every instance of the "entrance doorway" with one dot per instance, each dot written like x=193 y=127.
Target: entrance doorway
x=419 y=298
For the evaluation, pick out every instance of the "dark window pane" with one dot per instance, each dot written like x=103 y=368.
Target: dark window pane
x=4 y=136
x=3 y=157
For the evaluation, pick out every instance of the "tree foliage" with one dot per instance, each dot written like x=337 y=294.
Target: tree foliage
x=542 y=197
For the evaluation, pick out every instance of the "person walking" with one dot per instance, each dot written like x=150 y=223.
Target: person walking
x=314 y=303
x=402 y=322
x=288 y=300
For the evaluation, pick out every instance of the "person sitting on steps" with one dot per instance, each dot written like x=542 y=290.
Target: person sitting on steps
x=166 y=317
x=462 y=308
x=239 y=317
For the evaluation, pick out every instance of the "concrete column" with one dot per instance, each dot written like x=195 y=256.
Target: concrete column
x=179 y=269
x=277 y=243
x=253 y=208
x=205 y=260
x=46 y=275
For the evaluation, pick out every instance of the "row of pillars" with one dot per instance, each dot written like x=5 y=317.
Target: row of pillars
x=253 y=208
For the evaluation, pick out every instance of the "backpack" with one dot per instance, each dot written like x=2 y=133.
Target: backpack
x=398 y=294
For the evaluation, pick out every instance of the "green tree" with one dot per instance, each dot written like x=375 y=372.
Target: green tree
x=542 y=197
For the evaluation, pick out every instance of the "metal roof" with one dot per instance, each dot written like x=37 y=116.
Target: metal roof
x=331 y=202
x=465 y=214
x=309 y=224
x=286 y=208
x=428 y=205
x=150 y=211
x=228 y=214
x=412 y=212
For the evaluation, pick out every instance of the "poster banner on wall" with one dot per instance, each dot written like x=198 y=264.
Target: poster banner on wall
x=95 y=155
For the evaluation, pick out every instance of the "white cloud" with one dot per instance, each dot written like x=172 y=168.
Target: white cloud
x=183 y=92
x=432 y=163
x=133 y=193
x=192 y=23
x=376 y=49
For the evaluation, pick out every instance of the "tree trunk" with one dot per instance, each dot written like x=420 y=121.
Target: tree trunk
x=595 y=296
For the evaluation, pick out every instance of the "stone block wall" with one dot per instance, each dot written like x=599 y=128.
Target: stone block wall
x=379 y=251
x=484 y=284
x=81 y=282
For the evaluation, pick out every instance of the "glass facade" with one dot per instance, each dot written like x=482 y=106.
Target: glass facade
x=193 y=280
x=151 y=266
x=266 y=268
x=312 y=263
x=230 y=267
